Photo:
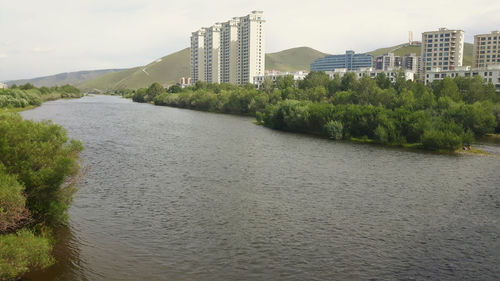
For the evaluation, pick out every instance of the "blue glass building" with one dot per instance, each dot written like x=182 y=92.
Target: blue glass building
x=350 y=60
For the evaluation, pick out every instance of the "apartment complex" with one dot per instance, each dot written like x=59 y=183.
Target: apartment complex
x=349 y=60
x=273 y=75
x=442 y=49
x=372 y=73
x=491 y=74
x=390 y=61
x=229 y=52
x=486 y=50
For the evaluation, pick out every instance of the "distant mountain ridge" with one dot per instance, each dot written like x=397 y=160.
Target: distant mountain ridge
x=72 y=78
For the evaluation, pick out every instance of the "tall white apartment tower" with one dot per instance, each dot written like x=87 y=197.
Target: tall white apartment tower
x=486 y=50
x=443 y=49
x=229 y=51
x=251 y=47
x=212 y=53
x=198 y=55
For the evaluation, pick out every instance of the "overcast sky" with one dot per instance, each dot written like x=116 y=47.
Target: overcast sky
x=39 y=38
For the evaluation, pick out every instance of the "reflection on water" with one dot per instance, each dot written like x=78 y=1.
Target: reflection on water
x=183 y=195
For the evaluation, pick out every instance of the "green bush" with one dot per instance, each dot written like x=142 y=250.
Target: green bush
x=334 y=129
x=12 y=202
x=42 y=159
x=22 y=251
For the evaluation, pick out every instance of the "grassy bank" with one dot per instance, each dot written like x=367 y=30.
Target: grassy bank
x=38 y=167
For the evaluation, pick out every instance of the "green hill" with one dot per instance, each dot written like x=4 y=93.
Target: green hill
x=292 y=60
x=403 y=49
x=166 y=70
x=169 y=69
x=72 y=78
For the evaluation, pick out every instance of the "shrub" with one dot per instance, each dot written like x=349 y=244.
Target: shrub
x=334 y=129
x=21 y=252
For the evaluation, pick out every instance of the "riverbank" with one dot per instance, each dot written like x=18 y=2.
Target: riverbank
x=38 y=169
x=445 y=117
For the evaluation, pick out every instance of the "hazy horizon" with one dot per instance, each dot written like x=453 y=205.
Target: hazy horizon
x=51 y=37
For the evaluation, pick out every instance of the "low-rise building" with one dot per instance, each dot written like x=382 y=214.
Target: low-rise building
x=184 y=82
x=372 y=73
x=490 y=74
x=3 y=86
x=273 y=75
x=349 y=60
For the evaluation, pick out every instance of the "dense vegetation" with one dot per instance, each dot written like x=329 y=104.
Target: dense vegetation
x=37 y=167
x=443 y=116
x=27 y=94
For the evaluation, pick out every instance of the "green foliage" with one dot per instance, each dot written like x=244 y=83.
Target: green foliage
x=442 y=117
x=42 y=159
x=28 y=95
x=334 y=129
x=22 y=251
x=12 y=202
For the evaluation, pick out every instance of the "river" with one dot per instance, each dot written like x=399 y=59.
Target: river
x=173 y=194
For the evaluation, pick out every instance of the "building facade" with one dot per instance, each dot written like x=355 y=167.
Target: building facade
x=486 y=50
x=349 y=60
x=443 y=49
x=229 y=51
x=387 y=61
x=371 y=72
x=3 y=86
x=491 y=74
x=259 y=80
x=198 y=55
x=232 y=52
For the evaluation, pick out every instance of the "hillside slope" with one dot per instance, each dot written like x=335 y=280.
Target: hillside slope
x=72 y=78
x=169 y=69
x=292 y=59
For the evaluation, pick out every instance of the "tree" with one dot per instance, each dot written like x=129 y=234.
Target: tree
x=154 y=90
x=314 y=79
x=382 y=81
x=268 y=85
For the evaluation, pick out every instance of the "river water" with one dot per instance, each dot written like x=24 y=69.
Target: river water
x=175 y=194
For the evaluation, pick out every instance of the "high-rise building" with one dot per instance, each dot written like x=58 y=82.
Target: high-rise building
x=251 y=52
x=232 y=52
x=442 y=49
x=212 y=53
x=198 y=55
x=349 y=60
x=486 y=50
x=229 y=51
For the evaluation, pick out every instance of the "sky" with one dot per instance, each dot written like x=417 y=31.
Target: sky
x=39 y=38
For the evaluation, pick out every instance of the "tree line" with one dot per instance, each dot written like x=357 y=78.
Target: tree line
x=442 y=116
x=27 y=94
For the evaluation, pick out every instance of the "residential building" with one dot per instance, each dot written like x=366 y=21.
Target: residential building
x=229 y=52
x=212 y=53
x=259 y=80
x=184 y=82
x=388 y=61
x=490 y=73
x=372 y=73
x=443 y=48
x=349 y=60
x=198 y=55
x=3 y=86
x=412 y=62
x=251 y=47
x=486 y=50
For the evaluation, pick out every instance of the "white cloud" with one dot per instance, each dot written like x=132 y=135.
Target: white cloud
x=47 y=37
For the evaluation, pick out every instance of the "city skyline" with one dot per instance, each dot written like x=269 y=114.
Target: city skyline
x=53 y=37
